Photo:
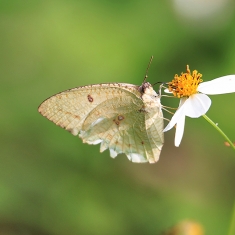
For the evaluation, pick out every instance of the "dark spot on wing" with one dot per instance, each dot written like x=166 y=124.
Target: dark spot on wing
x=116 y=122
x=120 y=117
x=90 y=99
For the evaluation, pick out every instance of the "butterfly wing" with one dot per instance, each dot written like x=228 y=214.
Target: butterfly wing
x=68 y=109
x=110 y=114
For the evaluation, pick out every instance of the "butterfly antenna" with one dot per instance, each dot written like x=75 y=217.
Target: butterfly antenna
x=146 y=74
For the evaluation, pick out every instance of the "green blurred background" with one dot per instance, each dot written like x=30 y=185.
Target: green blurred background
x=51 y=183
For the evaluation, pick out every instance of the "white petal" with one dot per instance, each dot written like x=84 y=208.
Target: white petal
x=182 y=101
x=179 y=131
x=167 y=91
x=218 y=86
x=197 y=105
x=177 y=116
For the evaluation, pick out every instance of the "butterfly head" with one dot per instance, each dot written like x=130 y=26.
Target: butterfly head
x=144 y=87
x=147 y=89
x=149 y=95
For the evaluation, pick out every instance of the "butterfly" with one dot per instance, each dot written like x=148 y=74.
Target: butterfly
x=123 y=118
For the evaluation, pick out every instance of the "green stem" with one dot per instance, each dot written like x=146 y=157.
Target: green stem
x=219 y=130
x=232 y=224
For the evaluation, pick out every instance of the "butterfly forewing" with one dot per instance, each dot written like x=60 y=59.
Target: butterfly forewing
x=69 y=109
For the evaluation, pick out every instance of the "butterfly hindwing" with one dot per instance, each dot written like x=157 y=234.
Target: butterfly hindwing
x=117 y=127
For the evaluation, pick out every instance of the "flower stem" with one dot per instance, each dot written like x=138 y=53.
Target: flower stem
x=219 y=130
x=232 y=224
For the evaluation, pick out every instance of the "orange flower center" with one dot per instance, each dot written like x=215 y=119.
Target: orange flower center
x=186 y=84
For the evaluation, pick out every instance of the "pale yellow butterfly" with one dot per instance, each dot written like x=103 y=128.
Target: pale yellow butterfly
x=123 y=118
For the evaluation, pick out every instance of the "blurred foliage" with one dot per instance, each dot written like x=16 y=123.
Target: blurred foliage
x=51 y=183
x=186 y=227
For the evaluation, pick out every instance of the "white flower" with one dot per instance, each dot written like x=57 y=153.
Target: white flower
x=193 y=99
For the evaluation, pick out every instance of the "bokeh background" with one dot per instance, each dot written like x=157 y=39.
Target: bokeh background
x=51 y=183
